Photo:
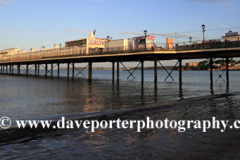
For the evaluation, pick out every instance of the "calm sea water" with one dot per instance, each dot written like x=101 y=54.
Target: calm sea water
x=45 y=98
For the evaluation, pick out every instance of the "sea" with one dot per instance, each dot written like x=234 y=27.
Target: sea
x=40 y=98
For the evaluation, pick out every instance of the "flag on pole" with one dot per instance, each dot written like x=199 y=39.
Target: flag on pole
x=94 y=32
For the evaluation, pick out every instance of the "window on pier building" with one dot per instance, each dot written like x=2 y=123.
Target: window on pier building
x=76 y=43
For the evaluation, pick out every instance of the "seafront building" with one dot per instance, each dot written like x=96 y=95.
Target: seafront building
x=89 y=44
x=120 y=44
x=192 y=64
x=231 y=36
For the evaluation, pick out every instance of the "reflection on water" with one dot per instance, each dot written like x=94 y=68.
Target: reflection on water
x=40 y=98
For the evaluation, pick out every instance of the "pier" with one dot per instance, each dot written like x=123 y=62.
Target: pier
x=210 y=51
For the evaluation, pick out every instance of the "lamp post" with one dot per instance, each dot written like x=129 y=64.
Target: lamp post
x=203 y=27
x=60 y=48
x=190 y=38
x=108 y=42
x=145 y=32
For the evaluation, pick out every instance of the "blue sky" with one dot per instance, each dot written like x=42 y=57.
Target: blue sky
x=31 y=24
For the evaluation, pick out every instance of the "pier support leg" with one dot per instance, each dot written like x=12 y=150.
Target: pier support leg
x=51 y=70
x=227 y=72
x=89 y=70
x=180 y=79
x=155 y=70
x=142 y=71
x=211 y=75
x=113 y=71
x=46 y=70
x=27 y=70
x=18 y=69
x=58 y=65
x=10 y=69
x=38 y=70
x=35 y=70
x=73 y=68
x=117 y=71
x=67 y=70
x=180 y=71
x=6 y=69
x=142 y=76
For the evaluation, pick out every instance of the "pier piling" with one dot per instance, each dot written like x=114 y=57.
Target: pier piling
x=35 y=70
x=58 y=65
x=51 y=70
x=73 y=68
x=27 y=70
x=155 y=70
x=118 y=71
x=38 y=70
x=227 y=71
x=68 y=70
x=89 y=70
x=180 y=71
x=18 y=69
x=10 y=69
x=211 y=75
x=113 y=71
x=46 y=70
x=142 y=71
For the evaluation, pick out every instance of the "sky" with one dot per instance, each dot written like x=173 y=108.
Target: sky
x=31 y=24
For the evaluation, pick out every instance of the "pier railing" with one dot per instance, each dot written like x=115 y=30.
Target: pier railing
x=80 y=51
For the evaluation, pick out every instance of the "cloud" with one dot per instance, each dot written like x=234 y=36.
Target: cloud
x=97 y=0
x=167 y=35
x=211 y=1
x=75 y=30
x=214 y=2
x=5 y=2
x=225 y=26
